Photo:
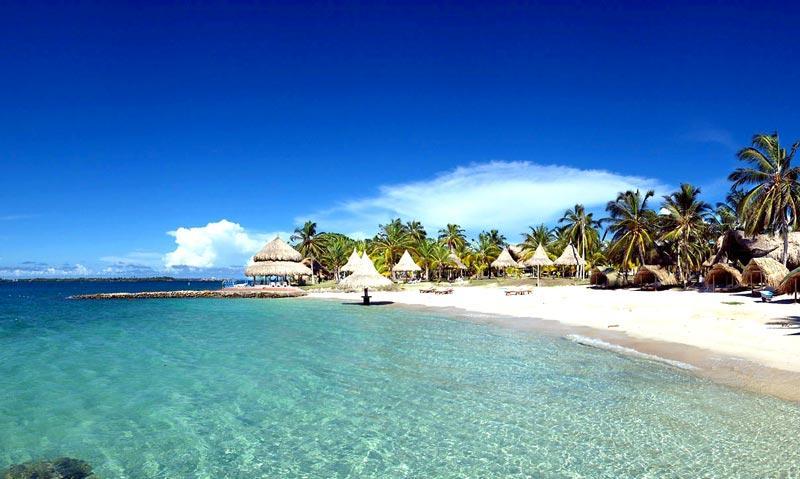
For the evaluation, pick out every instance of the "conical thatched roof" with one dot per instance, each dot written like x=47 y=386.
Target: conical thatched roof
x=456 y=261
x=764 y=271
x=722 y=274
x=277 y=268
x=365 y=276
x=539 y=258
x=505 y=260
x=570 y=257
x=277 y=250
x=649 y=274
x=352 y=262
x=406 y=264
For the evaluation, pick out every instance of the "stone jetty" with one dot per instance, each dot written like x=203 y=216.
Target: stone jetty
x=231 y=293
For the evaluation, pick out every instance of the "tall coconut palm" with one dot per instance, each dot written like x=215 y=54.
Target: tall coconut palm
x=631 y=224
x=580 y=228
x=452 y=236
x=726 y=214
x=495 y=237
x=308 y=241
x=425 y=253
x=485 y=252
x=391 y=241
x=439 y=258
x=336 y=253
x=771 y=203
x=416 y=231
x=538 y=235
x=684 y=224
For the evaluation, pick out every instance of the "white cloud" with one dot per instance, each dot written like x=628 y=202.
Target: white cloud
x=504 y=195
x=219 y=244
x=31 y=269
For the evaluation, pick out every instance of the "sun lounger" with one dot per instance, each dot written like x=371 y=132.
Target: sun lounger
x=444 y=291
x=518 y=292
x=427 y=290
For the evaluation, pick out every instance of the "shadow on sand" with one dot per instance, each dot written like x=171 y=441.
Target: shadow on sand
x=791 y=322
x=371 y=303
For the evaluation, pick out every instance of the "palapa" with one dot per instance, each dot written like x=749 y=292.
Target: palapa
x=764 y=272
x=723 y=276
x=277 y=268
x=539 y=258
x=505 y=260
x=406 y=264
x=570 y=257
x=606 y=278
x=655 y=276
x=278 y=250
x=352 y=262
x=456 y=261
x=365 y=276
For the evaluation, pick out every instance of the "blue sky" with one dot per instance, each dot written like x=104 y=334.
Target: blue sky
x=139 y=138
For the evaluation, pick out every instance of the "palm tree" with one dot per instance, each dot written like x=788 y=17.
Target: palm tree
x=495 y=237
x=452 y=236
x=439 y=257
x=538 y=235
x=390 y=242
x=580 y=228
x=771 y=203
x=631 y=224
x=416 y=231
x=685 y=225
x=308 y=241
x=726 y=215
x=337 y=251
x=485 y=252
x=425 y=253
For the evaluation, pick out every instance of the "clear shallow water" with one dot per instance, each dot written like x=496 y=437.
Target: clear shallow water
x=303 y=388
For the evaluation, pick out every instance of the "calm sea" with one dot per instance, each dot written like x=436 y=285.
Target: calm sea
x=304 y=388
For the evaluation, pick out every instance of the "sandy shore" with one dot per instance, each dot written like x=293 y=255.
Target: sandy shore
x=732 y=338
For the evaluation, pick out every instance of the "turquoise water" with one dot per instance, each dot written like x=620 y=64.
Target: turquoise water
x=304 y=388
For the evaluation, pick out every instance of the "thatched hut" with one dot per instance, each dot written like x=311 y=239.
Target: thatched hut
x=538 y=260
x=571 y=258
x=723 y=277
x=606 y=278
x=276 y=260
x=365 y=276
x=763 y=273
x=650 y=276
x=504 y=261
x=406 y=265
x=352 y=262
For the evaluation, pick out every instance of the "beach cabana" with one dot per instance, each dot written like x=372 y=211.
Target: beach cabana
x=538 y=260
x=276 y=259
x=504 y=261
x=791 y=283
x=454 y=263
x=605 y=278
x=406 y=265
x=571 y=257
x=723 y=277
x=365 y=276
x=653 y=277
x=763 y=273
x=352 y=262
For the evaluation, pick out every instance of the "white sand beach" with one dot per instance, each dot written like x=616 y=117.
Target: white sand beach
x=733 y=337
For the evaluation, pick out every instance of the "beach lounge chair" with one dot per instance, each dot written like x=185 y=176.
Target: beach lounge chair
x=518 y=292
x=427 y=290
x=444 y=291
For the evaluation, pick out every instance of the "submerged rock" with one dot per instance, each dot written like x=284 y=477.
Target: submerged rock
x=59 y=468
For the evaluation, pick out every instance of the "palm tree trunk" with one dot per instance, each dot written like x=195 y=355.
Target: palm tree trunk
x=785 y=255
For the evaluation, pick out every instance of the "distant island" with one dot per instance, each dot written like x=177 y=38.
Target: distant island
x=164 y=279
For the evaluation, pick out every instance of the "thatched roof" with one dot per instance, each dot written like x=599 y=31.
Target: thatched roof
x=365 y=276
x=738 y=246
x=539 y=258
x=277 y=268
x=606 y=277
x=277 y=250
x=649 y=273
x=504 y=260
x=722 y=274
x=456 y=261
x=791 y=282
x=764 y=271
x=570 y=257
x=352 y=262
x=406 y=264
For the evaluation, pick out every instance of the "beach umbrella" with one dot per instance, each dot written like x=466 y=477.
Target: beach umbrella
x=571 y=257
x=277 y=258
x=406 y=264
x=352 y=262
x=278 y=250
x=504 y=261
x=365 y=276
x=538 y=260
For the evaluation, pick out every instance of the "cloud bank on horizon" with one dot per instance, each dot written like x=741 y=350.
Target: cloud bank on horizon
x=508 y=196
